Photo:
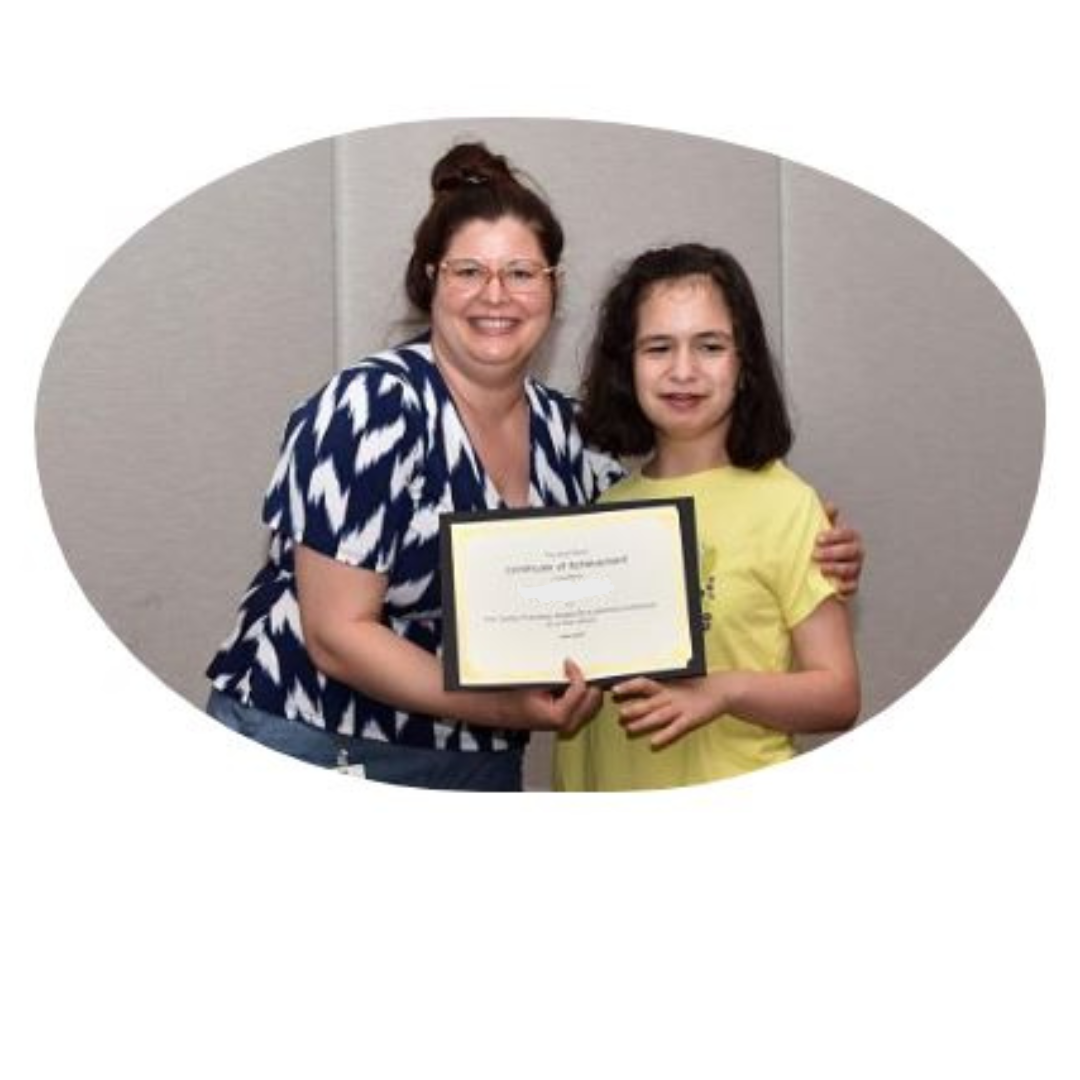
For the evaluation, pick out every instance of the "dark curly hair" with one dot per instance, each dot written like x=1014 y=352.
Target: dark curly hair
x=471 y=183
x=610 y=417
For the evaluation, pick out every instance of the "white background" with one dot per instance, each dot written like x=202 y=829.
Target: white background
x=178 y=903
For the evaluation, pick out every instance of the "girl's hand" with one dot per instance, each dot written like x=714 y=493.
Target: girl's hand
x=668 y=710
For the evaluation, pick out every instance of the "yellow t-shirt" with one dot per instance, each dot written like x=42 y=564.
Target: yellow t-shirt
x=756 y=534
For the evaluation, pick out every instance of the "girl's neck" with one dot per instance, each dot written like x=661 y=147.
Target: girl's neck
x=673 y=458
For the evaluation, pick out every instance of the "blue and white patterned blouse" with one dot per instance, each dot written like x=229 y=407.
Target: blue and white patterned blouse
x=367 y=467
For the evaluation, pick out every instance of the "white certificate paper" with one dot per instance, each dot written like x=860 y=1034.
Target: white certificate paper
x=613 y=587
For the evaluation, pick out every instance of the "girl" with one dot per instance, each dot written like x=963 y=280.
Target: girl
x=681 y=371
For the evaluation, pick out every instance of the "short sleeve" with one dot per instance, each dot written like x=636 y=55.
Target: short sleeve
x=343 y=481
x=801 y=586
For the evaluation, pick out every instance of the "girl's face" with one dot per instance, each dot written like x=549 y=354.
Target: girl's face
x=484 y=329
x=686 y=369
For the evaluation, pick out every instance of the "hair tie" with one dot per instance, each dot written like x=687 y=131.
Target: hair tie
x=449 y=184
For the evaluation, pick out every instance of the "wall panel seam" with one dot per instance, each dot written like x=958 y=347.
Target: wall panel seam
x=337 y=361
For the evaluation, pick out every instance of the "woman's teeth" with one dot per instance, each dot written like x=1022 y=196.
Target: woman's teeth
x=493 y=325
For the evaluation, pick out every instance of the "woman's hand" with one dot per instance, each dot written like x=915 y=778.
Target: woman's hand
x=839 y=552
x=563 y=711
x=668 y=711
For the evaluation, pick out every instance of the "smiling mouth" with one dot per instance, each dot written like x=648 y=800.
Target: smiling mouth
x=491 y=325
x=681 y=401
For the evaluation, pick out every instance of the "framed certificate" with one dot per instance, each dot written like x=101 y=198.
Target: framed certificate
x=613 y=587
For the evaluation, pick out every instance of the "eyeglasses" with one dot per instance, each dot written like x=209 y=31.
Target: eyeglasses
x=521 y=277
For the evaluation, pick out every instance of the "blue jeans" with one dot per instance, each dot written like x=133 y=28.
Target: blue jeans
x=389 y=763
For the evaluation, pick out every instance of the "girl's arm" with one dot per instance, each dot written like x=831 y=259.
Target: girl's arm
x=822 y=695
x=341 y=609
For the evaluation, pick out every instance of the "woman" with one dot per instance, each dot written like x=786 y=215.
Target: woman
x=334 y=658
x=681 y=371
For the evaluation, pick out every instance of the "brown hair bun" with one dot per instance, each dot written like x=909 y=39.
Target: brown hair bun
x=469 y=163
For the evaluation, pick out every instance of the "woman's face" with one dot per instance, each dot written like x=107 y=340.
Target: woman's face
x=686 y=368
x=482 y=328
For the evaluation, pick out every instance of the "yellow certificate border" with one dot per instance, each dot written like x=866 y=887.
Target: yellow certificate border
x=469 y=539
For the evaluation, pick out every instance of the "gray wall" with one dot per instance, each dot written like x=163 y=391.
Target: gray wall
x=163 y=398
x=917 y=398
